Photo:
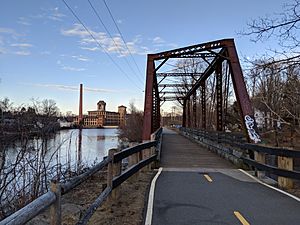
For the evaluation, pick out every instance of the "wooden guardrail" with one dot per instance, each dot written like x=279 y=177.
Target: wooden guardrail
x=139 y=156
x=285 y=157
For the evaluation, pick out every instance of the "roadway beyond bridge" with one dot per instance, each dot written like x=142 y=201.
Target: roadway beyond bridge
x=196 y=186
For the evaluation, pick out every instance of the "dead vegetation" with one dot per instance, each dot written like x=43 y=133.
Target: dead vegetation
x=128 y=209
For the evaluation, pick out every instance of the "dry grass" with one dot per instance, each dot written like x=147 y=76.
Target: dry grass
x=128 y=209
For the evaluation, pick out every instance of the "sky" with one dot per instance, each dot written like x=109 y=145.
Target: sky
x=45 y=52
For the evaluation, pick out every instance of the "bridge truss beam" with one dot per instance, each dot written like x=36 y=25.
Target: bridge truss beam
x=214 y=54
x=177 y=74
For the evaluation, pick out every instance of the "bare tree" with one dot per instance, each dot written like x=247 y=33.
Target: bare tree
x=26 y=169
x=49 y=108
x=283 y=27
x=274 y=78
x=133 y=129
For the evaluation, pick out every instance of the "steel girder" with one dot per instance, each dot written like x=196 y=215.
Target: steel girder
x=219 y=97
x=173 y=92
x=188 y=113
x=194 y=110
x=191 y=49
x=171 y=98
x=195 y=55
x=227 y=51
x=149 y=99
x=184 y=113
x=174 y=85
x=203 y=105
x=177 y=74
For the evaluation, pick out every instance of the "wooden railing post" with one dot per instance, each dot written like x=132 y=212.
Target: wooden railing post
x=144 y=155
x=55 y=208
x=261 y=158
x=117 y=169
x=133 y=160
x=151 y=152
x=114 y=169
x=287 y=164
x=110 y=168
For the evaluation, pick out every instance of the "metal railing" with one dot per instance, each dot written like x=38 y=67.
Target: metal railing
x=140 y=156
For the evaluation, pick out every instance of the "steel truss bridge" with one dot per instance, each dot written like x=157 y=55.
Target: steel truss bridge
x=220 y=59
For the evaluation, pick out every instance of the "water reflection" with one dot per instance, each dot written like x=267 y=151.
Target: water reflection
x=75 y=148
x=79 y=153
x=100 y=138
x=29 y=165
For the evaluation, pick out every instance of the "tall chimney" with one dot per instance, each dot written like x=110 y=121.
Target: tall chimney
x=80 y=106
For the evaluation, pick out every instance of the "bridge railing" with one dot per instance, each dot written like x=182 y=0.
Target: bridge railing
x=235 y=148
x=139 y=156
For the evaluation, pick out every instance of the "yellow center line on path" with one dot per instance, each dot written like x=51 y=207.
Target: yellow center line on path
x=208 y=178
x=241 y=218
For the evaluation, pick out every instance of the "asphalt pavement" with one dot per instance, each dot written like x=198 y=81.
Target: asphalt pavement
x=218 y=198
x=197 y=187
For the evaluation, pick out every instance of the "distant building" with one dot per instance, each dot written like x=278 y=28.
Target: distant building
x=65 y=123
x=101 y=117
x=173 y=120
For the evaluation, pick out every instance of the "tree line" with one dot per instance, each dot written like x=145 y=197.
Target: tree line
x=38 y=118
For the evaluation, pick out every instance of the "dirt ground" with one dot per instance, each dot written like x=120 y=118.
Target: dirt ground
x=295 y=190
x=128 y=209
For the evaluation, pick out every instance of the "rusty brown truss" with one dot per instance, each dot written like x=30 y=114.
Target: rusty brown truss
x=213 y=54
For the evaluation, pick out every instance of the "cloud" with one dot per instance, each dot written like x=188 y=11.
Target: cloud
x=22 y=45
x=55 y=15
x=110 y=45
x=90 y=49
x=8 y=36
x=70 y=88
x=45 y=53
x=90 y=41
x=77 y=57
x=22 y=49
x=24 y=21
x=69 y=68
x=78 y=30
x=80 y=58
x=173 y=45
x=5 y=30
x=23 y=53
x=158 y=40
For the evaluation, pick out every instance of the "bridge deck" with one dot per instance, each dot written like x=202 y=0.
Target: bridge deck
x=198 y=187
x=180 y=152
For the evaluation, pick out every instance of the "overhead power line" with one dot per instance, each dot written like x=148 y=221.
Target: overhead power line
x=122 y=37
x=98 y=43
x=112 y=38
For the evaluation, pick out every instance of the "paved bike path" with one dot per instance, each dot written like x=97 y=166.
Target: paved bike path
x=188 y=198
x=197 y=187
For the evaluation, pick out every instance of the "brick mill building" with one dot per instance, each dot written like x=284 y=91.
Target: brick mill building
x=101 y=117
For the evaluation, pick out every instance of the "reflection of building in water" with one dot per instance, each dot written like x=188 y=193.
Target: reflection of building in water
x=79 y=150
x=100 y=138
x=101 y=117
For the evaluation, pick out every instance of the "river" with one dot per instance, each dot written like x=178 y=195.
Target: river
x=85 y=147
x=30 y=164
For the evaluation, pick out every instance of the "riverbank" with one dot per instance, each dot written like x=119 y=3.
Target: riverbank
x=63 y=155
x=128 y=209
